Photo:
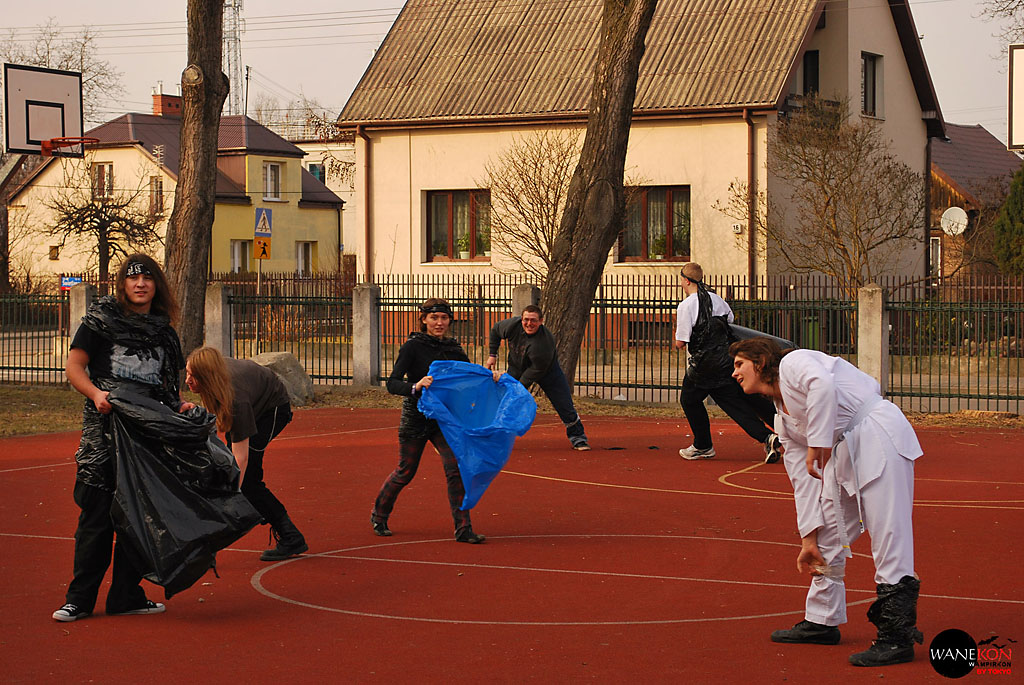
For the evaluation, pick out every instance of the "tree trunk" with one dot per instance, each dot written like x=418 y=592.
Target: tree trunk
x=595 y=205
x=204 y=88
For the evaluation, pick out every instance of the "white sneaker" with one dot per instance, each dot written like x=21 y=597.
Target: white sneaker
x=692 y=453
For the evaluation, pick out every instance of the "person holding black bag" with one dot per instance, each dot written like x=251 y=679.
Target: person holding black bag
x=702 y=329
x=127 y=340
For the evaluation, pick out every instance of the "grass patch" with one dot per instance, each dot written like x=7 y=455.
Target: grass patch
x=30 y=409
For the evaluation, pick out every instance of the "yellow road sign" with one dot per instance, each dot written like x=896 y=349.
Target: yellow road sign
x=261 y=248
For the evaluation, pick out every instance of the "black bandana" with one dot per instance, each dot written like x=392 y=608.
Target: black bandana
x=136 y=268
x=440 y=308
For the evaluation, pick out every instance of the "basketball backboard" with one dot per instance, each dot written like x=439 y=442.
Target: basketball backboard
x=41 y=104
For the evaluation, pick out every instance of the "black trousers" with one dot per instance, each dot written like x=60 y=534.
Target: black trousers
x=93 y=540
x=268 y=426
x=751 y=412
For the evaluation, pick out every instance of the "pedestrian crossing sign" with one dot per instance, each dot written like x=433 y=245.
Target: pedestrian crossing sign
x=263 y=222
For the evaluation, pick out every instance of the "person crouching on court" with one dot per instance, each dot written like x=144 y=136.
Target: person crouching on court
x=252 y=406
x=409 y=378
x=850 y=456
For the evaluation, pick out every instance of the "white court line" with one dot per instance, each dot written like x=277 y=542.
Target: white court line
x=341 y=554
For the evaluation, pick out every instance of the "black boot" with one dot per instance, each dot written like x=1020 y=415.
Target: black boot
x=894 y=613
x=290 y=542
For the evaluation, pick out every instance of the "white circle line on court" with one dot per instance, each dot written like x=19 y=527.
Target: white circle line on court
x=257 y=582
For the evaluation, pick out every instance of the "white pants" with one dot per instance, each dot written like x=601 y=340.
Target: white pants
x=887 y=503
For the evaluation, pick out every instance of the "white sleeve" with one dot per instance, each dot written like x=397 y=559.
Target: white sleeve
x=805 y=376
x=806 y=488
x=684 y=322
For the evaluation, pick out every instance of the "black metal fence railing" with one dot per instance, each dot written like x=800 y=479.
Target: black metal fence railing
x=309 y=317
x=33 y=338
x=954 y=344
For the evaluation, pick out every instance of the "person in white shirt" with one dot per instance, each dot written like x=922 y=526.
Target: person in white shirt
x=850 y=456
x=702 y=320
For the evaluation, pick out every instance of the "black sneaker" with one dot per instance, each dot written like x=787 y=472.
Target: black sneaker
x=380 y=528
x=150 y=607
x=467 y=535
x=883 y=654
x=808 y=633
x=69 y=612
x=772 y=448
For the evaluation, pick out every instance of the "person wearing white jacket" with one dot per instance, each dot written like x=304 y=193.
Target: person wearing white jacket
x=850 y=456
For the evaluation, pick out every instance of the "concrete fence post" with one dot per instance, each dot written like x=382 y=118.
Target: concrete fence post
x=873 y=334
x=81 y=296
x=365 y=334
x=522 y=295
x=218 y=331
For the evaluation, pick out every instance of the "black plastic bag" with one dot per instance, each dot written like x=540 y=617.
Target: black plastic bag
x=177 y=501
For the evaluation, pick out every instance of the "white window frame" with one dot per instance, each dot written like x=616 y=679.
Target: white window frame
x=102 y=175
x=305 y=252
x=241 y=256
x=273 y=173
x=871 y=80
x=935 y=256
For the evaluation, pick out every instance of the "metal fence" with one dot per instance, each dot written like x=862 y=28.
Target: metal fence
x=309 y=317
x=953 y=345
x=957 y=344
x=33 y=338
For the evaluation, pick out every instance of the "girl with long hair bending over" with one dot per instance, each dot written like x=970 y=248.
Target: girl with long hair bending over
x=252 y=407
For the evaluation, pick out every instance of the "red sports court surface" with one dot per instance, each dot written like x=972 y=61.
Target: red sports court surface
x=617 y=565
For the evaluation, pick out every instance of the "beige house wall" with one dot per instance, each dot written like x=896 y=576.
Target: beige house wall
x=341 y=184
x=30 y=214
x=705 y=154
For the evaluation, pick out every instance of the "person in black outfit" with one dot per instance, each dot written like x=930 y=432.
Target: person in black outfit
x=252 y=407
x=409 y=378
x=532 y=358
x=123 y=340
x=702 y=329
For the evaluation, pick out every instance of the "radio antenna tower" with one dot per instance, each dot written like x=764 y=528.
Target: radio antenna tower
x=234 y=26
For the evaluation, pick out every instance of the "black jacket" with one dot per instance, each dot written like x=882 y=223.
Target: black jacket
x=414 y=359
x=529 y=356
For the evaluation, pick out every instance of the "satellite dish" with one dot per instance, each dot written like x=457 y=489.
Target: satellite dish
x=954 y=221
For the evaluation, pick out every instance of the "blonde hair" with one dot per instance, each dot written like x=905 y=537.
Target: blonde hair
x=211 y=374
x=692 y=271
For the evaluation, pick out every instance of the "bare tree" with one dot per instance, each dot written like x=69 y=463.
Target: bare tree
x=848 y=207
x=102 y=221
x=204 y=89
x=595 y=205
x=529 y=182
x=1009 y=14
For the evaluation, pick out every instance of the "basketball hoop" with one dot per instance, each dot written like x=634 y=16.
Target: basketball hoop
x=48 y=148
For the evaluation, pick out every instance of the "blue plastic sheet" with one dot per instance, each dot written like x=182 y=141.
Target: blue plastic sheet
x=480 y=419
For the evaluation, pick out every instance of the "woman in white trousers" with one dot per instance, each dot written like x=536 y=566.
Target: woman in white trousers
x=850 y=456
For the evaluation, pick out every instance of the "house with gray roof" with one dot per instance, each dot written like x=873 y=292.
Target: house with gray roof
x=456 y=83
x=139 y=154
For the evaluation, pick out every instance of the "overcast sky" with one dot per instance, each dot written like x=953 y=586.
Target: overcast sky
x=321 y=51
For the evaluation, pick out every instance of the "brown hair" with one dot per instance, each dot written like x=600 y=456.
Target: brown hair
x=164 y=301
x=428 y=305
x=692 y=271
x=534 y=309
x=765 y=354
x=207 y=367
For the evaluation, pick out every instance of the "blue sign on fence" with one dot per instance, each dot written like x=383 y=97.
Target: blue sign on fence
x=68 y=282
